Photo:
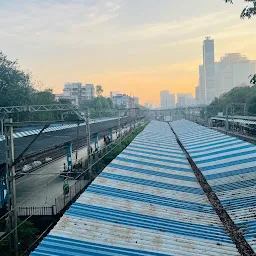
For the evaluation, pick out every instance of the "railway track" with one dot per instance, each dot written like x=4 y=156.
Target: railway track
x=57 y=151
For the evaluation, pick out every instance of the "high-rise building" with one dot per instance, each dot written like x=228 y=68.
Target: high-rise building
x=209 y=70
x=185 y=100
x=200 y=91
x=167 y=100
x=216 y=78
x=231 y=71
x=197 y=92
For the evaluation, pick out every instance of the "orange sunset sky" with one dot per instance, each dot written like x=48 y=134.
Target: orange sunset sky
x=138 y=47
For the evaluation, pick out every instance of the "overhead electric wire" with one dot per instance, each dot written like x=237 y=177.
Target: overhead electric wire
x=33 y=192
x=61 y=191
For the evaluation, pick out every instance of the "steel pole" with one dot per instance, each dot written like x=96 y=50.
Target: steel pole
x=11 y=188
x=227 y=124
x=119 y=125
x=89 y=144
x=2 y=126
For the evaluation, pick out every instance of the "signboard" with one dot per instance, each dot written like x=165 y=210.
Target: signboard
x=69 y=155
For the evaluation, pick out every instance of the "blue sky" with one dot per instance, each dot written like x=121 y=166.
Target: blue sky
x=130 y=45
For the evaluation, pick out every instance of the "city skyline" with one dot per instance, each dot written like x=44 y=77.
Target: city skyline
x=219 y=77
x=99 y=42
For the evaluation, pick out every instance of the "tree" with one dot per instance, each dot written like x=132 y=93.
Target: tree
x=15 y=84
x=99 y=90
x=27 y=233
x=65 y=101
x=110 y=103
x=248 y=11
x=17 y=88
x=253 y=79
x=240 y=95
x=44 y=97
x=252 y=105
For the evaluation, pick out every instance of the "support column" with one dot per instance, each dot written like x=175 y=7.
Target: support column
x=11 y=188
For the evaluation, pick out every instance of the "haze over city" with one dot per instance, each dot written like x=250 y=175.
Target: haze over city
x=127 y=127
x=138 y=47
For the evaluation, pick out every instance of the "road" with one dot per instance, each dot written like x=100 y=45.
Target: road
x=59 y=137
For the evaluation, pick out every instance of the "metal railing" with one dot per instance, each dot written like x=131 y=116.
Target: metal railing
x=37 y=211
x=37 y=108
x=61 y=201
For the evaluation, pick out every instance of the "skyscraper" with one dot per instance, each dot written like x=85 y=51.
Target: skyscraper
x=200 y=90
x=231 y=71
x=216 y=78
x=167 y=100
x=209 y=70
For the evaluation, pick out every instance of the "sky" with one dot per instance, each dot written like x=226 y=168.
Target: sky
x=138 y=47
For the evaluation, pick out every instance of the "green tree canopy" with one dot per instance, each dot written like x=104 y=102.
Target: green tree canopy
x=16 y=89
x=238 y=95
x=99 y=106
x=15 y=84
x=248 y=11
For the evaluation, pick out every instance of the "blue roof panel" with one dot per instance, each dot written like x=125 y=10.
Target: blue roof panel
x=147 y=201
x=229 y=165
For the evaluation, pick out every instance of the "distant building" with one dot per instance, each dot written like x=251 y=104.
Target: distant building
x=197 y=92
x=185 y=100
x=87 y=92
x=77 y=93
x=200 y=91
x=114 y=93
x=123 y=100
x=231 y=71
x=148 y=104
x=167 y=100
x=216 y=78
x=209 y=70
x=137 y=101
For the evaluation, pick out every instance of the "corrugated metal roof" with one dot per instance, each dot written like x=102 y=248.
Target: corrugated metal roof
x=229 y=165
x=235 y=120
x=54 y=128
x=146 y=202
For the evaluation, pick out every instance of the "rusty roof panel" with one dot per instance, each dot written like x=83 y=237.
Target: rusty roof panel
x=145 y=202
x=229 y=165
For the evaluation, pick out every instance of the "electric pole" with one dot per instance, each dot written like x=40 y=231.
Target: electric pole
x=89 y=144
x=119 y=124
x=227 y=124
x=11 y=188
